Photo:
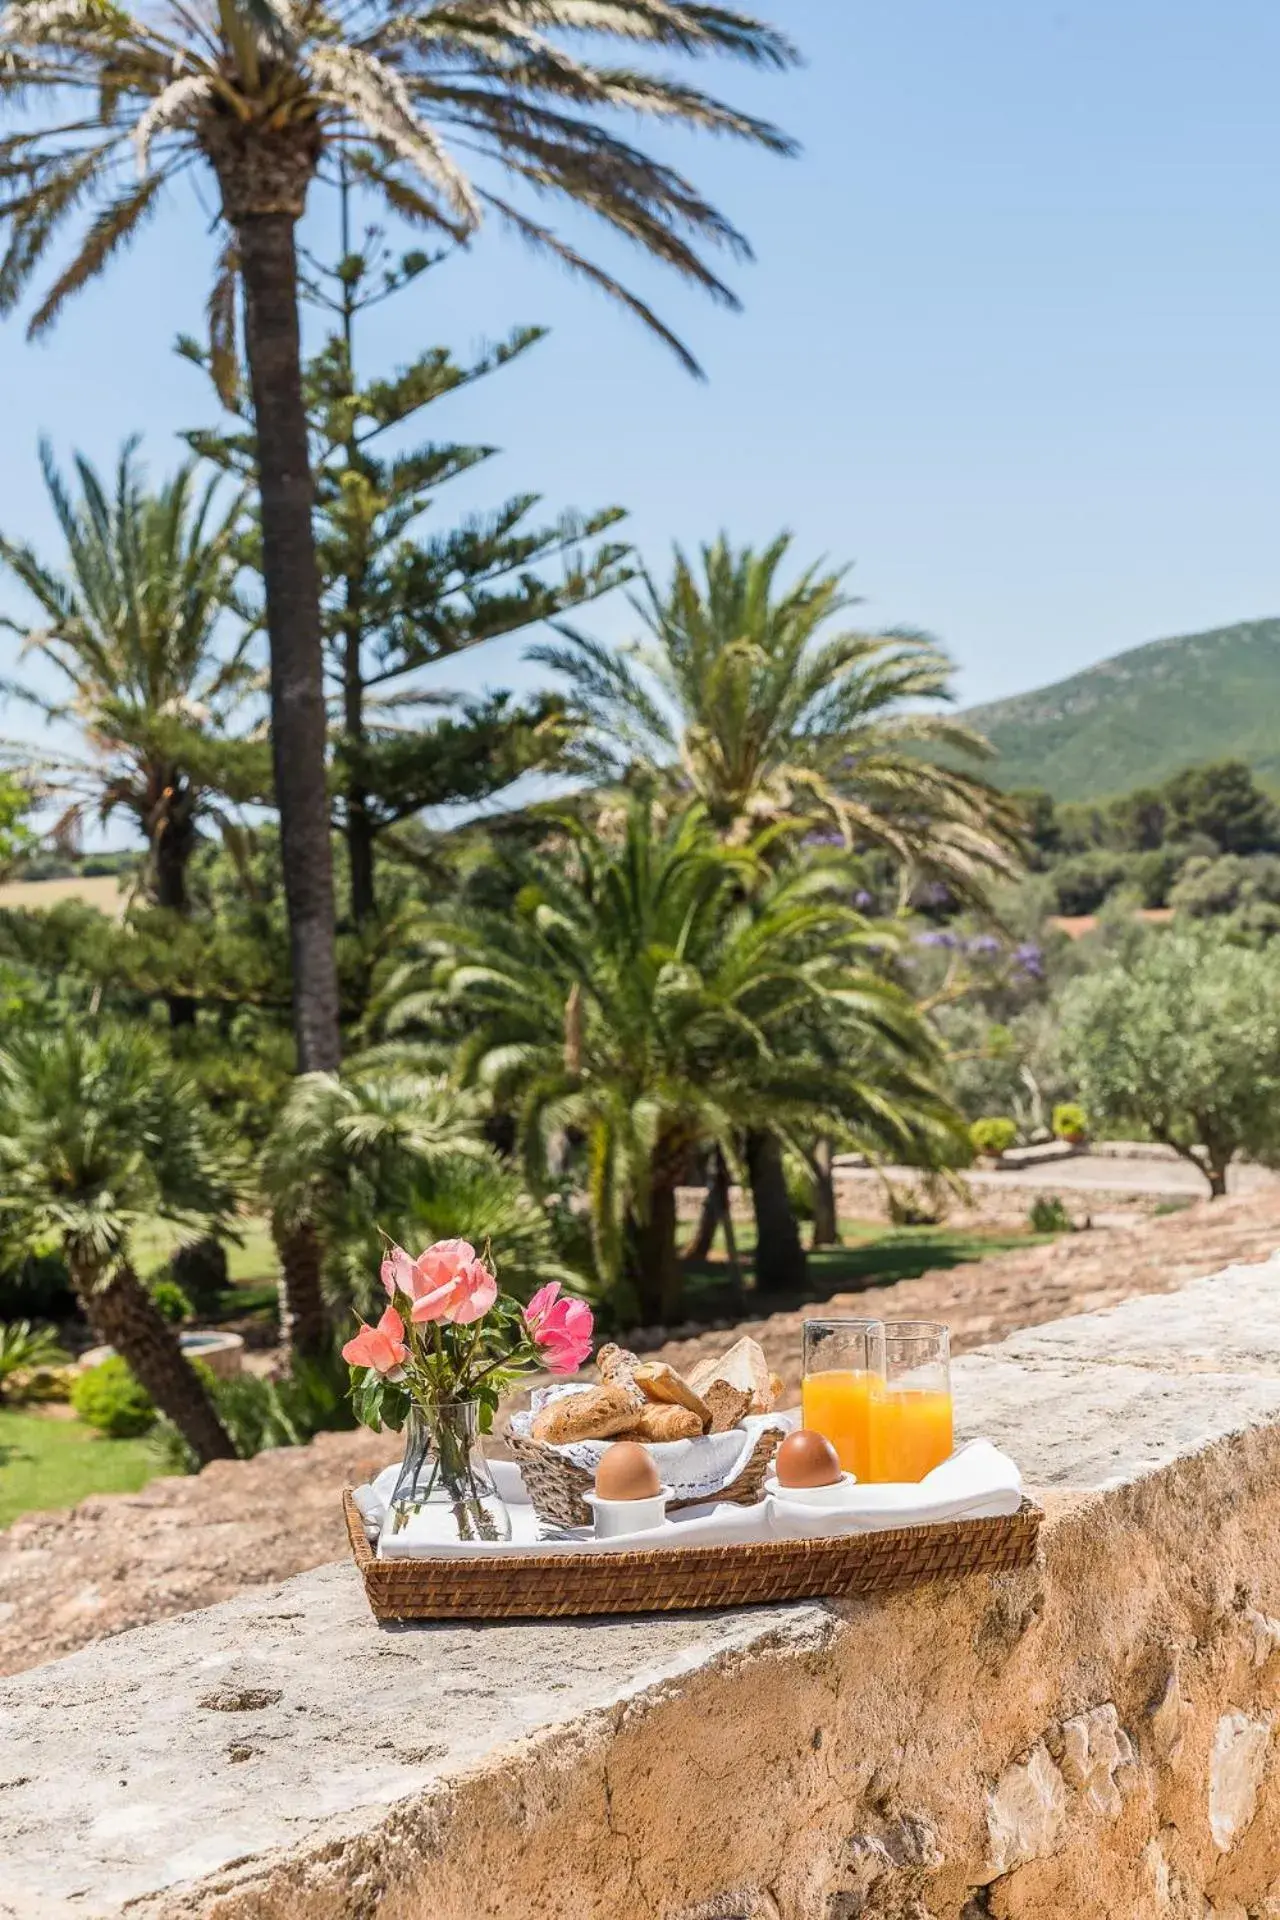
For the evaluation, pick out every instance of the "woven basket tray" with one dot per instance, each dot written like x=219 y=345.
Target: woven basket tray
x=677 y=1579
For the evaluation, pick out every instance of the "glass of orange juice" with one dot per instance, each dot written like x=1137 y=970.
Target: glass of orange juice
x=910 y=1428
x=843 y=1374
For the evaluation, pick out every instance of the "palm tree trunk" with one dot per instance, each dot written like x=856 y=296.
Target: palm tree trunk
x=304 y=1321
x=710 y=1215
x=659 y=1278
x=781 y=1266
x=173 y=850
x=826 y=1221
x=124 y=1316
x=269 y=267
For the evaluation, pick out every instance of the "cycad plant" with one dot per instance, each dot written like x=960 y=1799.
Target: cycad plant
x=118 y=100
x=748 y=693
x=103 y=1137
x=134 y=625
x=660 y=994
x=391 y=1150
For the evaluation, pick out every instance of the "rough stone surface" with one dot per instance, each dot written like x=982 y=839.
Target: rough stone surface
x=1090 y=1739
x=1026 y=1810
x=1228 y=1323
x=1237 y=1762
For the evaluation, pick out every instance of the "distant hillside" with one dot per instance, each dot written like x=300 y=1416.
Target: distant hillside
x=1136 y=719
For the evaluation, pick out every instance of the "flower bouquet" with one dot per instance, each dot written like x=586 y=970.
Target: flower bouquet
x=436 y=1365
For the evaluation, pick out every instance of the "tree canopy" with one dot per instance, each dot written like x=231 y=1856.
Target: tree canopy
x=1182 y=1039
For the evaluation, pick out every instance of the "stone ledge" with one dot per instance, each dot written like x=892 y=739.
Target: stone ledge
x=1092 y=1738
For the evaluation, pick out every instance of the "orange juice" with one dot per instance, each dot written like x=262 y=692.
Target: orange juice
x=910 y=1432
x=837 y=1404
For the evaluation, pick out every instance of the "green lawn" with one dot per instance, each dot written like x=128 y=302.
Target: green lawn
x=253 y=1262
x=50 y=1462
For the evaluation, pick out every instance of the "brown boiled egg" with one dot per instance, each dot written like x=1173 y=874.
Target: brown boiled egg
x=627 y=1472
x=806 y=1459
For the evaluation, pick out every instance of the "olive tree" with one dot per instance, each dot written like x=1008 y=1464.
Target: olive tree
x=1182 y=1039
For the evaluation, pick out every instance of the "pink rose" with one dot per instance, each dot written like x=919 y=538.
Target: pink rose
x=451 y=1282
x=382 y=1347
x=561 y=1328
x=397 y=1273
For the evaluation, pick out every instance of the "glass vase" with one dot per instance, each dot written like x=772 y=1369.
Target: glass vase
x=445 y=1476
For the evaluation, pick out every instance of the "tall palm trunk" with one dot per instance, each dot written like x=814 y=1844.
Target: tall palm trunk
x=124 y=1316
x=264 y=184
x=659 y=1278
x=173 y=849
x=826 y=1219
x=269 y=266
x=304 y=1322
x=781 y=1266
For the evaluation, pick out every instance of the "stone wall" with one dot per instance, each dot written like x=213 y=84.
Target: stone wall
x=1092 y=1739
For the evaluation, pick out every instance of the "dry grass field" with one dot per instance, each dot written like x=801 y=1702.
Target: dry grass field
x=102 y=891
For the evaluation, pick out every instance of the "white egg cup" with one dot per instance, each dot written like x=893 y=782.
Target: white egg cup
x=835 y=1494
x=616 y=1517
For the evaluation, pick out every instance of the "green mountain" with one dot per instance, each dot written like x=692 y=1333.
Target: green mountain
x=1134 y=720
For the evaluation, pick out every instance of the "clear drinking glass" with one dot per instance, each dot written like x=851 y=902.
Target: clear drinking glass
x=911 y=1427
x=843 y=1375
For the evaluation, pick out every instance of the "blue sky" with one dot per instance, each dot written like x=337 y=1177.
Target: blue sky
x=1009 y=343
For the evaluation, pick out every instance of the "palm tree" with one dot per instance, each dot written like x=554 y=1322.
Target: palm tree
x=390 y=1147
x=741 y=694
x=260 y=93
x=653 y=997
x=747 y=695
x=132 y=626
x=101 y=1136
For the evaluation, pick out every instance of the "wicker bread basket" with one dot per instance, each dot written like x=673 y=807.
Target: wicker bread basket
x=556 y=1486
x=497 y=1586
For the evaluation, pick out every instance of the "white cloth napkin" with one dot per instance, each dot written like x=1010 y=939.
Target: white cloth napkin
x=978 y=1482
x=975 y=1483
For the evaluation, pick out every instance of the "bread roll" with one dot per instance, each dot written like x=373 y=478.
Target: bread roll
x=597 y=1414
x=657 y=1381
x=664 y=1423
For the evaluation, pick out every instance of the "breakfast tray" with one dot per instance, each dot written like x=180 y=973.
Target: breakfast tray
x=678 y=1579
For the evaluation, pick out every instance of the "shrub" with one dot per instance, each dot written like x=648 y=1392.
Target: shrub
x=1082 y=884
x=923 y=1205
x=259 y=1413
x=1070 y=1121
x=109 y=1398
x=26 y=1350
x=200 y=1270
x=1048 y=1215
x=992 y=1136
x=173 y=1304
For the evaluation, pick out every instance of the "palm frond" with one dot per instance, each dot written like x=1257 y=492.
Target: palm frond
x=115 y=226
